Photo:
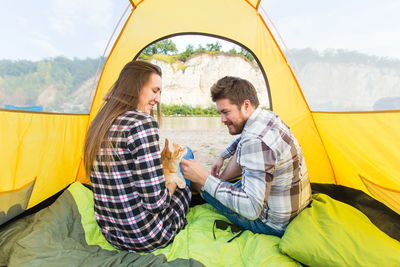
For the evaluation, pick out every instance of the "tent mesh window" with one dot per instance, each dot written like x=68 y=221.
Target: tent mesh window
x=14 y=202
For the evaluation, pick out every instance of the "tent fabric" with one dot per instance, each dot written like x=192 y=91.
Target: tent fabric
x=331 y=233
x=42 y=145
x=14 y=202
x=354 y=149
x=364 y=144
x=385 y=195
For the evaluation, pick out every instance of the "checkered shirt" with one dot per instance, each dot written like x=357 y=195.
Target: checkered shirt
x=133 y=207
x=275 y=183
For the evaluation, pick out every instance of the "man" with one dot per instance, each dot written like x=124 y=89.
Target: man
x=275 y=186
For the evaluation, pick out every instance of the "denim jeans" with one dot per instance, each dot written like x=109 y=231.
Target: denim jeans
x=256 y=226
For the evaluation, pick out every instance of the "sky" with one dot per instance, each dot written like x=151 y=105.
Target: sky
x=35 y=30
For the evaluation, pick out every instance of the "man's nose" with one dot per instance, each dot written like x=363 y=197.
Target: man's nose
x=223 y=118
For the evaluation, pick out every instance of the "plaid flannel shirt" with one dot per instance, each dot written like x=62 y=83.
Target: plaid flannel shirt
x=133 y=206
x=275 y=183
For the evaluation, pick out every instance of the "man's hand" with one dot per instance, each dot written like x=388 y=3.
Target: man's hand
x=194 y=171
x=217 y=166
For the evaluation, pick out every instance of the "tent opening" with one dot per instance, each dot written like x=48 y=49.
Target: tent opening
x=191 y=64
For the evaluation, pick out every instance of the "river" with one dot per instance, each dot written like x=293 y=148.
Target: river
x=191 y=123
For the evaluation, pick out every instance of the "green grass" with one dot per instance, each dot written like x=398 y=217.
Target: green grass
x=187 y=110
x=173 y=60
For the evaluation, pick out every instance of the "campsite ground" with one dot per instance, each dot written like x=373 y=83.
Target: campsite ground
x=206 y=144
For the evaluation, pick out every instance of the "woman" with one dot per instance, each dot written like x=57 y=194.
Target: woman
x=135 y=209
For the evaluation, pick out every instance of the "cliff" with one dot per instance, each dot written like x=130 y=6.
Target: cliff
x=347 y=80
x=191 y=84
x=332 y=80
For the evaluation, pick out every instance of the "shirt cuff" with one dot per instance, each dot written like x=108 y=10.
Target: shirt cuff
x=226 y=154
x=211 y=185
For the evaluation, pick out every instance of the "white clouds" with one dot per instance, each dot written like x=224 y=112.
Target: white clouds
x=47 y=49
x=82 y=27
x=70 y=15
x=49 y=28
x=22 y=20
x=369 y=26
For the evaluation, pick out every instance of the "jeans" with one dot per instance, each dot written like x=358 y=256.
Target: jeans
x=256 y=226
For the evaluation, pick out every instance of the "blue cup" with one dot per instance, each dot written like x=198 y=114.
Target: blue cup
x=188 y=155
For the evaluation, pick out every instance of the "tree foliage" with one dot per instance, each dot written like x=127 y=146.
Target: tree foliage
x=189 y=51
x=187 y=110
x=167 y=47
x=29 y=79
x=216 y=47
x=162 y=47
x=242 y=52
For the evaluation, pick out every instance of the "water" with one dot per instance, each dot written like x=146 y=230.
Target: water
x=191 y=123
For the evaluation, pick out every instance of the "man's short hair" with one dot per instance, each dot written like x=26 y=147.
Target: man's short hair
x=235 y=89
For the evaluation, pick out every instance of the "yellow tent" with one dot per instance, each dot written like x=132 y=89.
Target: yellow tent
x=41 y=153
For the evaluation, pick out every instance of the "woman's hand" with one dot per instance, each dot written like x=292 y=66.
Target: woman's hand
x=194 y=171
x=217 y=166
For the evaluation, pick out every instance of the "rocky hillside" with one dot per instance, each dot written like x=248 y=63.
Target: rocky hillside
x=191 y=84
x=337 y=80
x=342 y=80
x=333 y=80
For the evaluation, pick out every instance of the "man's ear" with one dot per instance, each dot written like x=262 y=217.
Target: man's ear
x=246 y=106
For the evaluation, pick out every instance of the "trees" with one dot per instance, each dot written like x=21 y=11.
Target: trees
x=242 y=52
x=168 y=47
x=162 y=47
x=27 y=79
x=216 y=47
x=187 y=53
x=16 y=68
x=187 y=110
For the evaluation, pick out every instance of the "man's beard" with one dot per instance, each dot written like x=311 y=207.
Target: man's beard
x=235 y=129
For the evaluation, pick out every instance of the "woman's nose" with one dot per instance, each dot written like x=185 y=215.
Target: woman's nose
x=157 y=97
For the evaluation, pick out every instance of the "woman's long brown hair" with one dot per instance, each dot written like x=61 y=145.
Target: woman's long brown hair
x=123 y=96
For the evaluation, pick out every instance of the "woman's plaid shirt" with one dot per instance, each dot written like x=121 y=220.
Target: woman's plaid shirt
x=133 y=206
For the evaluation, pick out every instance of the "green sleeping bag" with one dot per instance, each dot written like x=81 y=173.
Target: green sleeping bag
x=196 y=240
x=66 y=234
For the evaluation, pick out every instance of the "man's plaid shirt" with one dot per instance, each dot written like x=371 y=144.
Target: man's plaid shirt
x=133 y=206
x=275 y=184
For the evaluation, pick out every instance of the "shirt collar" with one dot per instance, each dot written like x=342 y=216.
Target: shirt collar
x=251 y=119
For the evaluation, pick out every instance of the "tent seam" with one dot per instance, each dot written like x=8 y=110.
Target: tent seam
x=377 y=185
x=97 y=87
x=301 y=93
